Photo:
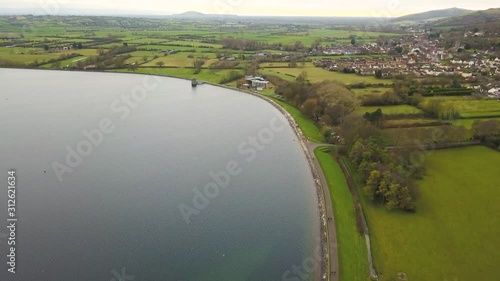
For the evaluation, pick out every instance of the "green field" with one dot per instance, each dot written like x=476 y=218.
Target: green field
x=353 y=261
x=470 y=108
x=66 y=63
x=407 y=122
x=467 y=123
x=391 y=109
x=30 y=55
x=316 y=74
x=370 y=91
x=455 y=233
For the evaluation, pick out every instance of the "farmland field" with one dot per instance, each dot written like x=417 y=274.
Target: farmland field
x=407 y=122
x=370 y=91
x=316 y=74
x=470 y=108
x=467 y=123
x=455 y=232
x=390 y=109
x=30 y=55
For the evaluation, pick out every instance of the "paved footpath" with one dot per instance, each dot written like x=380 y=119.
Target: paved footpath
x=332 y=233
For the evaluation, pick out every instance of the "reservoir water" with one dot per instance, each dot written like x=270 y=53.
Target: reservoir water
x=132 y=177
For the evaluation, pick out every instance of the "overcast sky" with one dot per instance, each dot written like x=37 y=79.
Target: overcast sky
x=376 y=8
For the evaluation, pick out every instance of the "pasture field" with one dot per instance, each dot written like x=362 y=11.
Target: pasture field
x=146 y=40
x=194 y=44
x=274 y=64
x=407 y=122
x=467 y=123
x=169 y=47
x=390 y=109
x=277 y=74
x=171 y=61
x=369 y=91
x=353 y=260
x=455 y=233
x=64 y=63
x=30 y=55
x=470 y=108
x=316 y=74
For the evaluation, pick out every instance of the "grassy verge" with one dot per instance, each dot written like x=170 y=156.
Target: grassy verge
x=307 y=126
x=353 y=261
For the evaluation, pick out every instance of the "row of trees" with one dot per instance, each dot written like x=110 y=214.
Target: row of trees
x=488 y=132
x=326 y=102
x=332 y=105
x=242 y=44
x=384 y=177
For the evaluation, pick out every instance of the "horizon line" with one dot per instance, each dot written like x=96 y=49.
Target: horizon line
x=125 y=13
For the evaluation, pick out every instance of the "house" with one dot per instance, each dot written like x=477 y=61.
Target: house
x=260 y=56
x=256 y=82
x=365 y=71
x=228 y=58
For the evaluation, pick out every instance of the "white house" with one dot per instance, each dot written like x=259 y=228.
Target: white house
x=257 y=82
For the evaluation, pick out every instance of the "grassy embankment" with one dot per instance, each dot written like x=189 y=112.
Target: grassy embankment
x=352 y=251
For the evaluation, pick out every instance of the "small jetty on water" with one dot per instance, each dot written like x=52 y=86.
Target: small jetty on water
x=195 y=82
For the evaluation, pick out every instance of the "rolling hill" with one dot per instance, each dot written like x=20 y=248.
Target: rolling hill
x=198 y=15
x=490 y=16
x=433 y=15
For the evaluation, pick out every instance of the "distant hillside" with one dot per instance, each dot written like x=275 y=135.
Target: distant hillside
x=191 y=14
x=490 y=16
x=198 y=15
x=433 y=15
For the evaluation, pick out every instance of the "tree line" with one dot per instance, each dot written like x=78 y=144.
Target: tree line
x=388 y=175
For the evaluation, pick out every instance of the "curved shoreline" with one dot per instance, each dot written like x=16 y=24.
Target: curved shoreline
x=326 y=263
x=325 y=232
x=325 y=246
